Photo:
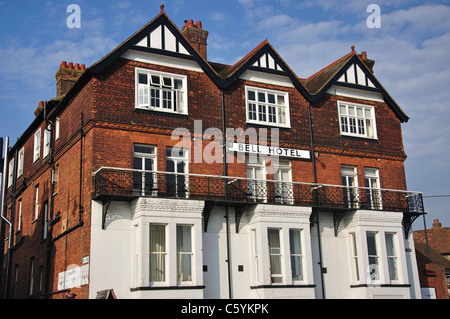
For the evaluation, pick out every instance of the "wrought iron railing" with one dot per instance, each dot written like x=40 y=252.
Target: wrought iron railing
x=129 y=183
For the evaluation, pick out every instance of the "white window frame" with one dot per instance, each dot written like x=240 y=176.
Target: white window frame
x=374 y=269
x=275 y=277
x=19 y=222
x=10 y=172
x=392 y=257
x=161 y=89
x=162 y=254
x=372 y=183
x=145 y=171
x=189 y=253
x=20 y=162
x=356 y=274
x=297 y=254
x=359 y=123
x=256 y=188
x=57 y=126
x=47 y=138
x=176 y=158
x=283 y=188
x=351 y=194
x=36 y=202
x=37 y=145
x=259 y=112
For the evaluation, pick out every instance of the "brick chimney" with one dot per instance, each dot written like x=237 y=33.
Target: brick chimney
x=368 y=62
x=437 y=223
x=196 y=36
x=66 y=76
x=39 y=109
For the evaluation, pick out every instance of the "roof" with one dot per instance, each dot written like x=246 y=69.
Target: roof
x=319 y=83
x=313 y=88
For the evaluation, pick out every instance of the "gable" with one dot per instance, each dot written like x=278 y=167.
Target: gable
x=162 y=38
x=267 y=61
x=355 y=75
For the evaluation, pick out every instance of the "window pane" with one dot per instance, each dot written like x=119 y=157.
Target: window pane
x=275 y=255
x=371 y=244
x=143 y=79
x=271 y=98
x=390 y=244
x=157 y=252
x=281 y=100
x=296 y=258
x=251 y=96
x=261 y=97
x=295 y=241
x=156 y=80
x=184 y=251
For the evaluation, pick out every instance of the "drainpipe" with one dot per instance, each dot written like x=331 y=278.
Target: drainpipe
x=319 y=239
x=11 y=221
x=2 y=208
x=225 y=173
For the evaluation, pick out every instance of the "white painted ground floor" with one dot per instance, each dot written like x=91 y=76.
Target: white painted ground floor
x=176 y=248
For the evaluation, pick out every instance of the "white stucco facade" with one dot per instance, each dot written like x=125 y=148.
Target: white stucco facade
x=235 y=262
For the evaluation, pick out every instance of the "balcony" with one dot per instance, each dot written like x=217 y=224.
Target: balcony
x=128 y=184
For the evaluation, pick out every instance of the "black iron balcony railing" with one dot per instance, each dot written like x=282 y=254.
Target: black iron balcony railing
x=124 y=183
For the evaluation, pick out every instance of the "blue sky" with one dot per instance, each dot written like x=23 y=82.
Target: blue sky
x=410 y=49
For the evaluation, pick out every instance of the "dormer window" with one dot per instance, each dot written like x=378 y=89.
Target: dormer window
x=164 y=92
x=267 y=107
x=357 y=120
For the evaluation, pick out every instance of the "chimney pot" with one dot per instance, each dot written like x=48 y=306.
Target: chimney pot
x=364 y=55
x=83 y=67
x=190 y=23
x=70 y=66
x=77 y=66
x=437 y=224
x=63 y=64
x=199 y=24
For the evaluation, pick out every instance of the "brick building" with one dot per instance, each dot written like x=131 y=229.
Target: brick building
x=433 y=259
x=121 y=182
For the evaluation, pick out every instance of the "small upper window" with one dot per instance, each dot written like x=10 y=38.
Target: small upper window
x=357 y=120
x=37 y=145
x=163 y=92
x=267 y=107
x=20 y=162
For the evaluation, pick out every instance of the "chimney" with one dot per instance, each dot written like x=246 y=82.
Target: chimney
x=196 y=36
x=369 y=63
x=39 y=108
x=437 y=223
x=66 y=76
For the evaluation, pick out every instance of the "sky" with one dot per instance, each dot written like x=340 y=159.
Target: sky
x=411 y=48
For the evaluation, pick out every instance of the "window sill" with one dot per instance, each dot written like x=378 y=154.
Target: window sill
x=381 y=285
x=282 y=286
x=159 y=111
x=268 y=124
x=166 y=288
x=359 y=137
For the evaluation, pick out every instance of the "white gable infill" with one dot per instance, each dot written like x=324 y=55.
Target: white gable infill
x=266 y=61
x=162 y=38
x=355 y=75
